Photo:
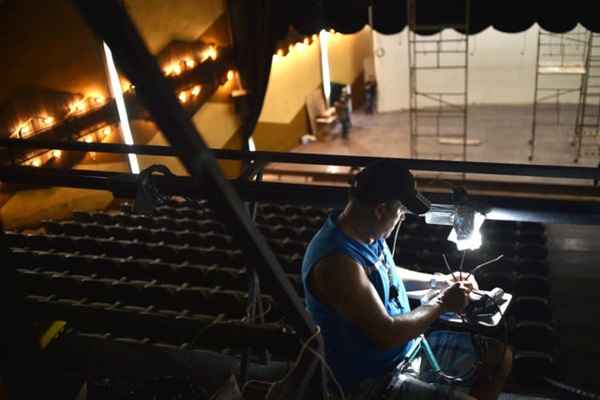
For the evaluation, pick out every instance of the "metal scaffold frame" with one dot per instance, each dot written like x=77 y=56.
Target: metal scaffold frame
x=558 y=55
x=586 y=138
x=448 y=105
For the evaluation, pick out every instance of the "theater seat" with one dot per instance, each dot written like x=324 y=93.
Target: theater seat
x=128 y=360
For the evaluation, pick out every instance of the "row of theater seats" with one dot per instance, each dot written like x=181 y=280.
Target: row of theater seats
x=288 y=209
x=151 y=324
x=169 y=253
x=440 y=244
x=194 y=299
x=137 y=269
x=206 y=239
x=156 y=370
x=202 y=225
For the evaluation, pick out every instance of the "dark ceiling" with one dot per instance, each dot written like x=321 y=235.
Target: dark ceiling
x=389 y=16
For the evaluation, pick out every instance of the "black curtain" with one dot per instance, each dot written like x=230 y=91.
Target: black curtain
x=256 y=27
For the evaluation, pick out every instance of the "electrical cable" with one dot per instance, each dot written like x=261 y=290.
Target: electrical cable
x=248 y=318
x=572 y=389
x=462 y=262
x=477 y=268
x=448 y=266
x=395 y=241
x=305 y=347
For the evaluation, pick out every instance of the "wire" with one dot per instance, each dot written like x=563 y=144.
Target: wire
x=395 y=240
x=572 y=389
x=477 y=268
x=248 y=318
x=319 y=357
x=328 y=368
x=462 y=262
x=448 y=266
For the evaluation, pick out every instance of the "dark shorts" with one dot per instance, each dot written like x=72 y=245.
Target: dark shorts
x=456 y=356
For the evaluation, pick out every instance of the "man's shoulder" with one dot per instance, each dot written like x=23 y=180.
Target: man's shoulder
x=336 y=274
x=336 y=265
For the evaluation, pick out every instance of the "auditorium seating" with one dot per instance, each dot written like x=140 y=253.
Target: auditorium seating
x=180 y=266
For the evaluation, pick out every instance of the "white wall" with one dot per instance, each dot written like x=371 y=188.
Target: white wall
x=391 y=69
x=501 y=70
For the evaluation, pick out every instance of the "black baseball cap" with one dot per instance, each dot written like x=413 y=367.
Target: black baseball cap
x=387 y=180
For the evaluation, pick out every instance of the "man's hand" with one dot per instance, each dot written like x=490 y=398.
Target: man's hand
x=461 y=277
x=455 y=298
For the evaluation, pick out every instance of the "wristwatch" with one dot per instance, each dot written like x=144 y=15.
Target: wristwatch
x=436 y=279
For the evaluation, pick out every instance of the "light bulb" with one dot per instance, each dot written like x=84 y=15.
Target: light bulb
x=473 y=240
x=25 y=128
x=36 y=162
x=56 y=153
x=183 y=97
x=230 y=75
x=177 y=69
x=196 y=90
x=212 y=52
x=189 y=63
x=77 y=106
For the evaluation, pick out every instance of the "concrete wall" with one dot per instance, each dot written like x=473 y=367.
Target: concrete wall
x=292 y=78
x=347 y=54
x=501 y=70
x=283 y=117
x=48 y=45
x=162 y=21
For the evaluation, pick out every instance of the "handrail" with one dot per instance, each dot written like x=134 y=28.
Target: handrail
x=474 y=167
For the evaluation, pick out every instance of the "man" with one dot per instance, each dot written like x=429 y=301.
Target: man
x=358 y=297
x=342 y=109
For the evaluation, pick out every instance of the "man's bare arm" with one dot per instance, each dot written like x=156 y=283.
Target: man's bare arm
x=341 y=283
x=414 y=280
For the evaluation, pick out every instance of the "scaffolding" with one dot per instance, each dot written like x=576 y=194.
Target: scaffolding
x=586 y=139
x=438 y=80
x=559 y=75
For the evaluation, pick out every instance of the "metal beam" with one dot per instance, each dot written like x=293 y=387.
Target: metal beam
x=109 y=20
x=469 y=167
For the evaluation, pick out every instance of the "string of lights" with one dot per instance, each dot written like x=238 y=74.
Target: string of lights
x=84 y=105
x=290 y=46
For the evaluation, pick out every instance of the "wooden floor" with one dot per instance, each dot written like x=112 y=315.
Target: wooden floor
x=504 y=132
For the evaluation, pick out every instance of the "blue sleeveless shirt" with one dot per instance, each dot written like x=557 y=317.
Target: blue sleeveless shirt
x=352 y=355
